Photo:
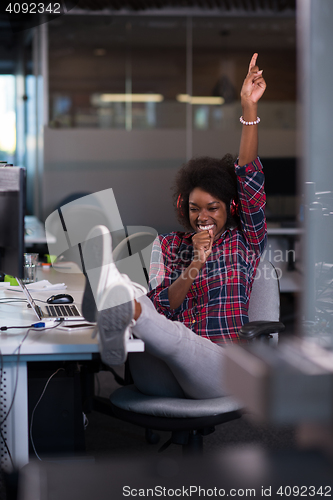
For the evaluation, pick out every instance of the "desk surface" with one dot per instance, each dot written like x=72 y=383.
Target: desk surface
x=55 y=341
x=284 y=231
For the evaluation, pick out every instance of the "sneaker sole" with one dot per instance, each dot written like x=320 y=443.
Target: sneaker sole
x=95 y=258
x=88 y=303
x=113 y=323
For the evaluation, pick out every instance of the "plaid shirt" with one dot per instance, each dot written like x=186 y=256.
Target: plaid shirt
x=216 y=306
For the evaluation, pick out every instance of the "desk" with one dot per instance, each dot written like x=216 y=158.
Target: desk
x=281 y=250
x=40 y=345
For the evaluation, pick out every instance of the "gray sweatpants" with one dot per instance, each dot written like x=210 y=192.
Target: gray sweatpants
x=176 y=362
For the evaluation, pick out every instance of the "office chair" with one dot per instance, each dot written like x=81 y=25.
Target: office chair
x=189 y=420
x=132 y=254
x=133 y=244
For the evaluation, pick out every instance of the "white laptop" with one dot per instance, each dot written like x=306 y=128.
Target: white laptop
x=65 y=312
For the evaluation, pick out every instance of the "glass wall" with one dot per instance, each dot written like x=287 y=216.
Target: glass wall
x=174 y=81
x=144 y=72
x=125 y=75
x=8 y=118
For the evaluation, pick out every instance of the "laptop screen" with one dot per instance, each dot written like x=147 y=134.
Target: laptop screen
x=31 y=301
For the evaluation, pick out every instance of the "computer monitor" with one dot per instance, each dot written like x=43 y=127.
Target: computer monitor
x=281 y=188
x=280 y=176
x=12 y=212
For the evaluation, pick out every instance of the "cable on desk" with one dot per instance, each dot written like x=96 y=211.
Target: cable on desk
x=34 y=326
x=17 y=299
x=5 y=300
x=4 y=328
x=33 y=411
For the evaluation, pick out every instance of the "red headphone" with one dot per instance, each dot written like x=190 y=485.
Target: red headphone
x=179 y=205
x=233 y=208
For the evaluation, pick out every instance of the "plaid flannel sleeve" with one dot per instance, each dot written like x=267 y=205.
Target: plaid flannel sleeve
x=160 y=276
x=252 y=200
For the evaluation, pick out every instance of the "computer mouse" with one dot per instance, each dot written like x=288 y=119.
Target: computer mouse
x=61 y=298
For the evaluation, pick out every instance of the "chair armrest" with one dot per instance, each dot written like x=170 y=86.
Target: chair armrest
x=254 y=329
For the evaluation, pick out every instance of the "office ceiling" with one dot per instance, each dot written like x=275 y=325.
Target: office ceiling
x=225 y=5
x=14 y=29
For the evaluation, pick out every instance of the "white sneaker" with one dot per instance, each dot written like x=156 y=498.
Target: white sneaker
x=101 y=272
x=97 y=254
x=114 y=322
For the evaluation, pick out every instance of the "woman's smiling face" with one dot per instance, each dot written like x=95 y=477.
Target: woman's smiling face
x=207 y=212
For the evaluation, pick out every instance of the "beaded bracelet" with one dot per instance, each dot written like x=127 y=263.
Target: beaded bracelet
x=243 y=122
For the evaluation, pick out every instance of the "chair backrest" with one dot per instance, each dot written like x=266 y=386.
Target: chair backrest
x=133 y=244
x=264 y=302
x=132 y=255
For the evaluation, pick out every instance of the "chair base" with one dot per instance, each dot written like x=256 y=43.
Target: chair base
x=130 y=405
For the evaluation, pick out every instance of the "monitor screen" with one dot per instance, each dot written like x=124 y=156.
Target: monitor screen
x=12 y=212
x=280 y=176
x=281 y=189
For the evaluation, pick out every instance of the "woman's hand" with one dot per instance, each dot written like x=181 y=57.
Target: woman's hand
x=253 y=88
x=254 y=84
x=202 y=245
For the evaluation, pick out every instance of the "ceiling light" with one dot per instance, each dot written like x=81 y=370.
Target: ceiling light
x=131 y=97
x=199 y=99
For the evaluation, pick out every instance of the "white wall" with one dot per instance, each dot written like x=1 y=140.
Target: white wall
x=139 y=165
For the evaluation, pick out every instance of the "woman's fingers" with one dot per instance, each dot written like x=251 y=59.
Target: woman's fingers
x=202 y=245
x=257 y=74
x=258 y=81
x=253 y=61
x=254 y=84
x=202 y=240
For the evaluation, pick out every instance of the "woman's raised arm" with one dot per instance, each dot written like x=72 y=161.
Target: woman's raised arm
x=253 y=88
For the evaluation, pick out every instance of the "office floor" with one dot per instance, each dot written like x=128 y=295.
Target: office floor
x=113 y=445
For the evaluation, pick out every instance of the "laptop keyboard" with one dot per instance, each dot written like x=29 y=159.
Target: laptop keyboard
x=58 y=311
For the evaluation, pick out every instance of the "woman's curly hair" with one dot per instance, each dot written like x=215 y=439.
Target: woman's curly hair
x=215 y=176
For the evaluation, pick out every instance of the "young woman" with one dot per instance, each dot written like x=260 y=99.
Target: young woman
x=200 y=281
